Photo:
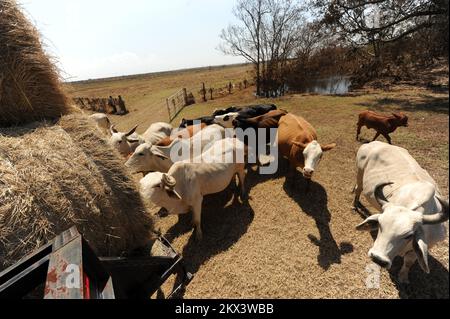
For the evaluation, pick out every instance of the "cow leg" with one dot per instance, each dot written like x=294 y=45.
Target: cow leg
x=358 y=189
x=196 y=218
x=241 y=177
x=388 y=138
x=376 y=136
x=358 y=131
x=292 y=171
x=408 y=260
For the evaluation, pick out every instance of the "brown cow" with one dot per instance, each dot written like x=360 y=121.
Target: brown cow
x=381 y=123
x=297 y=141
x=185 y=133
x=268 y=120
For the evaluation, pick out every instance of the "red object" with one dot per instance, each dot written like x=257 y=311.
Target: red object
x=86 y=287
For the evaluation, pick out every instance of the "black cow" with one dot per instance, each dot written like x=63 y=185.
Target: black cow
x=208 y=120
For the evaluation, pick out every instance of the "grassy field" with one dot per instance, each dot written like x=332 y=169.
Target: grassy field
x=286 y=243
x=145 y=95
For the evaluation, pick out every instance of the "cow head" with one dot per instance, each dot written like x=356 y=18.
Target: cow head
x=399 y=227
x=226 y=120
x=401 y=118
x=159 y=188
x=146 y=158
x=121 y=141
x=312 y=154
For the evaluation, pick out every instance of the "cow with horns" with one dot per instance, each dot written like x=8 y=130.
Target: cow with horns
x=412 y=209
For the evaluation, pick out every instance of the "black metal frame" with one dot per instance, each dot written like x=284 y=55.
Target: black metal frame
x=107 y=277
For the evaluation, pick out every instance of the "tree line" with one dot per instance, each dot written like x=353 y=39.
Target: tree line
x=290 y=41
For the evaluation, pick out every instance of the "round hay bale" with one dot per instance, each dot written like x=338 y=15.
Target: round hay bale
x=30 y=89
x=55 y=176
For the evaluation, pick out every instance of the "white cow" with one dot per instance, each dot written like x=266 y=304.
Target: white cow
x=412 y=208
x=102 y=121
x=183 y=187
x=153 y=158
x=226 y=120
x=125 y=143
x=156 y=132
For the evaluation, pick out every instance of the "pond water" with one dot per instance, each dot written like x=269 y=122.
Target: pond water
x=330 y=85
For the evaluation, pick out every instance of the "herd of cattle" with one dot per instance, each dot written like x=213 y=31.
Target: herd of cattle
x=412 y=208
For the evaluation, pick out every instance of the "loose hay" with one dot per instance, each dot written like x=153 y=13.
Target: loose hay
x=29 y=83
x=56 y=176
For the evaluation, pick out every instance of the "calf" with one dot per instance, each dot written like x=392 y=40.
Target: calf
x=412 y=209
x=183 y=187
x=381 y=123
x=297 y=141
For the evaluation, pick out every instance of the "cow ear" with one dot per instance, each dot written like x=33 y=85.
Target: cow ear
x=371 y=223
x=130 y=140
x=421 y=249
x=158 y=153
x=327 y=147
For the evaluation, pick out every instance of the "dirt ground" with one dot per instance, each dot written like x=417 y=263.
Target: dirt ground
x=288 y=243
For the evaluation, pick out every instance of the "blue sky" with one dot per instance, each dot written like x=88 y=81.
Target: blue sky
x=100 y=38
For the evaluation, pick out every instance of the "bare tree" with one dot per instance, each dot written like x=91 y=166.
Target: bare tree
x=266 y=36
x=245 y=39
x=377 y=22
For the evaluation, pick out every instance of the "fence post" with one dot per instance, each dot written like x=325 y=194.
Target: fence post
x=204 y=92
x=211 y=90
x=168 y=109
x=184 y=97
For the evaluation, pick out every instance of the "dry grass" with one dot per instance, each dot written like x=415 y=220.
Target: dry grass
x=289 y=244
x=145 y=94
x=29 y=83
x=55 y=176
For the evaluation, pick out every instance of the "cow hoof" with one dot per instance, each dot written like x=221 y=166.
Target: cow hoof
x=356 y=206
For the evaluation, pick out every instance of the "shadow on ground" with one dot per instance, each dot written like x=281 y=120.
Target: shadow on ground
x=222 y=227
x=434 y=285
x=427 y=103
x=312 y=199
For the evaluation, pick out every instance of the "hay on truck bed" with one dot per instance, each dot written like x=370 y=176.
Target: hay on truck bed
x=56 y=176
x=55 y=172
x=30 y=88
